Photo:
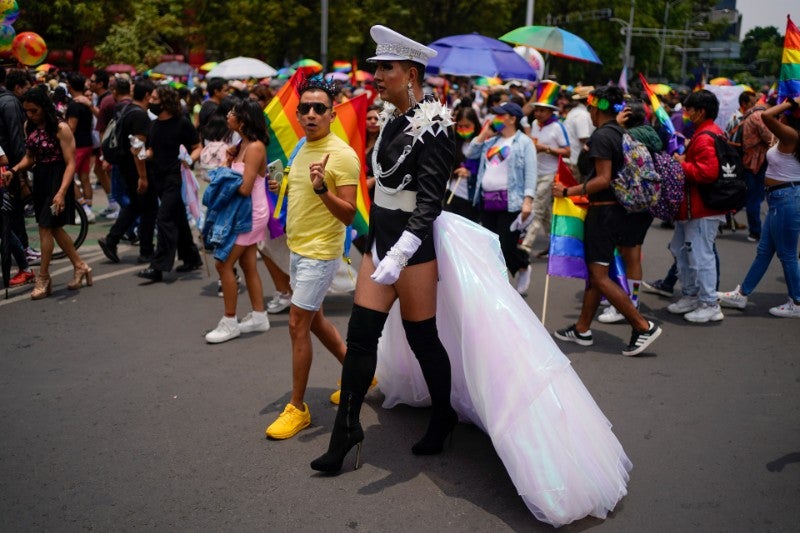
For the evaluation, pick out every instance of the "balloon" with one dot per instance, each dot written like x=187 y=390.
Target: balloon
x=9 y=10
x=7 y=34
x=29 y=48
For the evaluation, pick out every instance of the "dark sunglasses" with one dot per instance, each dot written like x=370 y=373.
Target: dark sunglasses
x=318 y=108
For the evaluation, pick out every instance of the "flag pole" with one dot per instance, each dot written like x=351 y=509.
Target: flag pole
x=544 y=304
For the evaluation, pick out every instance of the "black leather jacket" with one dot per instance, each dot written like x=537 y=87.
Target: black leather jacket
x=12 y=120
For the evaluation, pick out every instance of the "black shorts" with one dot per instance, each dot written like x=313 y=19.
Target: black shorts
x=609 y=226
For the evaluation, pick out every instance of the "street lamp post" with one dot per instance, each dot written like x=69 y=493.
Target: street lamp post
x=323 y=38
x=667 y=6
x=531 y=5
x=628 y=36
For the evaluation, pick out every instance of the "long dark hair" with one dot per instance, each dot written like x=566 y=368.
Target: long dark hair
x=216 y=129
x=254 y=126
x=38 y=96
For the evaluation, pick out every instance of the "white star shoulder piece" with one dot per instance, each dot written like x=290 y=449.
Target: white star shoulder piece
x=430 y=116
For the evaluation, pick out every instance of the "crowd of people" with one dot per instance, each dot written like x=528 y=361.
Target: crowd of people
x=487 y=156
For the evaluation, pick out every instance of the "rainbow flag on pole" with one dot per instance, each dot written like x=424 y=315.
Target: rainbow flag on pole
x=567 y=257
x=661 y=115
x=789 y=85
x=285 y=131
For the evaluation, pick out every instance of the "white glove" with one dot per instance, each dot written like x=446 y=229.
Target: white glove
x=395 y=260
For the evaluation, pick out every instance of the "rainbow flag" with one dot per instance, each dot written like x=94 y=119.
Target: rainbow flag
x=350 y=125
x=789 y=86
x=567 y=257
x=341 y=66
x=662 y=116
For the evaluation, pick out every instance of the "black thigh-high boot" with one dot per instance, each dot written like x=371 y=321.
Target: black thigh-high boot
x=423 y=338
x=363 y=332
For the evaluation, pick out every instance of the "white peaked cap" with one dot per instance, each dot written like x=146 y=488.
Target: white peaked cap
x=395 y=47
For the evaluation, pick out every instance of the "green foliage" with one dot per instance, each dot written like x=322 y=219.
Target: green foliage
x=143 y=36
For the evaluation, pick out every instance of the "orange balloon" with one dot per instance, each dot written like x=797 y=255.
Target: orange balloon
x=29 y=48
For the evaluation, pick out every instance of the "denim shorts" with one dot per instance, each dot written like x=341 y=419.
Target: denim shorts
x=310 y=280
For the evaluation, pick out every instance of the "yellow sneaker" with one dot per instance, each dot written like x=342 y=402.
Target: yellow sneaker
x=290 y=422
x=335 y=396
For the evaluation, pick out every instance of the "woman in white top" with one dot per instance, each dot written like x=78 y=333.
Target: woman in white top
x=782 y=225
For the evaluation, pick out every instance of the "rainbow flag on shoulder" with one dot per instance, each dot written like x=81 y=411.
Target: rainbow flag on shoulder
x=789 y=85
x=285 y=131
x=567 y=259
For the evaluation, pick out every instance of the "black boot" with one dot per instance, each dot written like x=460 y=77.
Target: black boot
x=347 y=432
x=363 y=331
x=423 y=338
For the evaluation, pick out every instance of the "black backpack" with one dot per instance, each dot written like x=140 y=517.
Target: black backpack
x=112 y=142
x=728 y=191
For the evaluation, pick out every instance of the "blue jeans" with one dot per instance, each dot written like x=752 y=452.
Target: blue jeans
x=755 y=195
x=118 y=189
x=780 y=235
x=693 y=247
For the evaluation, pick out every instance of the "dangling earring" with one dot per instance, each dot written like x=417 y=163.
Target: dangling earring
x=411 y=100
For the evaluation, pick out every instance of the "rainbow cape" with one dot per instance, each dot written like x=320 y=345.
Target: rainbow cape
x=285 y=131
x=567 y=258
x=789 y=86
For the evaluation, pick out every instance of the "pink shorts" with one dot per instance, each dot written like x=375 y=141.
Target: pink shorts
x=83 y=156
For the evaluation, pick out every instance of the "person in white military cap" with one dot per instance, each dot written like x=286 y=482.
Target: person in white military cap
x=412 y=160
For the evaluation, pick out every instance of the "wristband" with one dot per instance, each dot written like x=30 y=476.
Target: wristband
x=323 y=190
x=583 y=189
x=564 y=192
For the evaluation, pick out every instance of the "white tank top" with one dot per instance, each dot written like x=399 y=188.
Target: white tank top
x=782 y=167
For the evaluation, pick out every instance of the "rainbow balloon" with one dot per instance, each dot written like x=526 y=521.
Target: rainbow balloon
x=9 y=10
x=29 y=48
x=7 y=34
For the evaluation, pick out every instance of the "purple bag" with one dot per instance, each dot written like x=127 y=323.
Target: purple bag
x=495 y=200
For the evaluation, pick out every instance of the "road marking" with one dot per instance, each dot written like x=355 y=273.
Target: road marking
x=53 y=273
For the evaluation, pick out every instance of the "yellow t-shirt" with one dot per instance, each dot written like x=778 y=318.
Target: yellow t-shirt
x=311 y=230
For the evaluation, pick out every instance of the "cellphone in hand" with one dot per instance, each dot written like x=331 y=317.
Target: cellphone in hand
x=275 y=170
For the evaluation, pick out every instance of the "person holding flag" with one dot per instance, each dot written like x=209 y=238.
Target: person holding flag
x=606 y=226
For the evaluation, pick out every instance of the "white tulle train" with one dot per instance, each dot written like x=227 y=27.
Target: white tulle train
x=511 y=380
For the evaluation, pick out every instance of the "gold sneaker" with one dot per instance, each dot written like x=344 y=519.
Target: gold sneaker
x=290 y=422
x=335 y=396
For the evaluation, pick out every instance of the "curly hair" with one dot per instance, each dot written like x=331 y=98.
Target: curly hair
x=254 y=127
x=38 y=96
x=170 y=100
x=316 y=83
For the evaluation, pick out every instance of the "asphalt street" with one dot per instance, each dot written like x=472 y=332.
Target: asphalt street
x=115 y=415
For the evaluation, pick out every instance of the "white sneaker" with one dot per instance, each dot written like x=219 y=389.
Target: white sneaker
x=705 y=312
x=734 y=299
x=524 y=280
x=787 y=310
x=254 y=321
x=227 y=329
x=684 y=305
x=611 y=316
x=90 y=217
x=279 y=303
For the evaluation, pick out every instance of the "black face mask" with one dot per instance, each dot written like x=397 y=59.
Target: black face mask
x=155 y=109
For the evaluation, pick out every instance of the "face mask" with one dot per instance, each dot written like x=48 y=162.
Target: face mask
x=686 y=119
x=498 y=124
x=465 y=132
x=155 y=109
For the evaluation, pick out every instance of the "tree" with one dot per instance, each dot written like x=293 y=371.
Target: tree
x=141 y=38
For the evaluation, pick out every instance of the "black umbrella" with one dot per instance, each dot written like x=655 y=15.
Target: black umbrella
x=5 y=235
x=173 y=68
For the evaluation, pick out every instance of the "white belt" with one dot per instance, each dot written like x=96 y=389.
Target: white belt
x=402 y=200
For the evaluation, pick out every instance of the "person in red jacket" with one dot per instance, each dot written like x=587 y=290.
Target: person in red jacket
x=697 y=225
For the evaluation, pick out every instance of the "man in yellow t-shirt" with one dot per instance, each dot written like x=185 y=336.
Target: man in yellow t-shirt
x=322 y=201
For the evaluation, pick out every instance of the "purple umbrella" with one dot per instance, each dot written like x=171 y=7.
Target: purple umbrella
x=476 y=55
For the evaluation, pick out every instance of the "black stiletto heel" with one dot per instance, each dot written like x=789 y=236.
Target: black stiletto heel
x=347 y=433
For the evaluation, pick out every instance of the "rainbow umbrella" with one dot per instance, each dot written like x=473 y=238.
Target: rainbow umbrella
x=483 y=81
x=553 y=41
x=205 y=67
x=285 y=73
x=363 y=75
x=342 y=66
x=722 y=82
x=661 y=89
x=44 y=67
x=746 y=88
x=308 y=67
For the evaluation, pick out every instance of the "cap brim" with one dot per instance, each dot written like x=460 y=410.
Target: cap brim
x=548 y=106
